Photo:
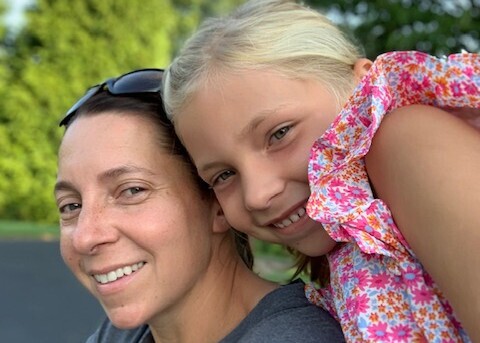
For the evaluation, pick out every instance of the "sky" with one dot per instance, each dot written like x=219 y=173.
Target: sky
x=14 y=17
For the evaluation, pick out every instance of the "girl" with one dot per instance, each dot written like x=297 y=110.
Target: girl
x=249 y=94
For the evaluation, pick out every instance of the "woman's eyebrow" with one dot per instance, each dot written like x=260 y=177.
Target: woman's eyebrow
x=105 y=176
x=116 y=172
x=62 y=186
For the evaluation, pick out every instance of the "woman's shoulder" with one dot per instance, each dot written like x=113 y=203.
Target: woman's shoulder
x=285 y=315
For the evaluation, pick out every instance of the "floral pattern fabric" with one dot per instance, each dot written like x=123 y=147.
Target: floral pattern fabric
x=378 y=290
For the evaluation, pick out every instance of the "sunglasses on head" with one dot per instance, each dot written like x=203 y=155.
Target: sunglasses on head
x=137 y=81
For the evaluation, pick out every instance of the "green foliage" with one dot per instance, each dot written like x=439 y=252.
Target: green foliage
x=3 y=34
x=65 y=47
x=273 y=261
x=434 y=26
x=3 y=9
x=271 y=249
x=192 y=12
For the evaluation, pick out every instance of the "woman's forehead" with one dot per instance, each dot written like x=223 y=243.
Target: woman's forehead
x=111 y=139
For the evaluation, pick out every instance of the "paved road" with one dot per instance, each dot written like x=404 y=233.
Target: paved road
x=40 y=301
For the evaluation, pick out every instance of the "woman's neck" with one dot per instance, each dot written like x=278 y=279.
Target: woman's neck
x=215 y=306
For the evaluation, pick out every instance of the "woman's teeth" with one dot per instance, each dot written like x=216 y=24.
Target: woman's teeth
x=292 y=218
x=118 y=273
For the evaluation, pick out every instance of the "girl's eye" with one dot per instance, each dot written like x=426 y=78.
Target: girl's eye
x=69 y=208
x=222 y=177
x=280 y=133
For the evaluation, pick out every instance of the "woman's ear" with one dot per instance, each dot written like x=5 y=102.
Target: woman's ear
x=360 y=68
x=220 y=223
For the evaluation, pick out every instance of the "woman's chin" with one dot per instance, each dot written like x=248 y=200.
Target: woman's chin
x=125 y=320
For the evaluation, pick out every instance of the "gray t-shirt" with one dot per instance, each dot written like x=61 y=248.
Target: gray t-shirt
x=284 y=315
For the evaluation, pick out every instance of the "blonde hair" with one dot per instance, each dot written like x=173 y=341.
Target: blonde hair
x=278 y=35
x=275 y=35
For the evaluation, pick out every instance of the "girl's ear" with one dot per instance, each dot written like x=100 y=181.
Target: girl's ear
x=360 y=68
x=220 y=223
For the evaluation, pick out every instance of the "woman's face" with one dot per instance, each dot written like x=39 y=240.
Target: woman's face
x=133 y=229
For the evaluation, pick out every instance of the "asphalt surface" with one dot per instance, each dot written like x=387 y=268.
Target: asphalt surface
x=40 y=300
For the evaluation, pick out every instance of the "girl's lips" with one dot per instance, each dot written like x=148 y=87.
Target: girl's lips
x=294 y=229
x=293 y=218
x=289 y=216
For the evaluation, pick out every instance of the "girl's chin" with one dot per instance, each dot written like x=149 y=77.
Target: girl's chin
x=315 y=247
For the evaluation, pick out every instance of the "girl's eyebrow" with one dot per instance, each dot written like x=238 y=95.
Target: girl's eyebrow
x=252 y=125
x=258 y=119
x=210 y=165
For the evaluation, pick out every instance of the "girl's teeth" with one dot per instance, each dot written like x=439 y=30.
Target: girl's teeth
x=295 y=218
x=292 y=219
x=301 y=212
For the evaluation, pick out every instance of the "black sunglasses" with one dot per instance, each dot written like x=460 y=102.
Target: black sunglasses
x=137 y=81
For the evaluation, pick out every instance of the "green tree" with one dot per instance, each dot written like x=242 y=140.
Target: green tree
x=192 y=12
x=64 y=47
x=434 y=26
x=3 y=34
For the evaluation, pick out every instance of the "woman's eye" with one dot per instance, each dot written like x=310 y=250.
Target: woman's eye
x=133 y=191
x=223 y=177
x=68 y=208
x=280 y=133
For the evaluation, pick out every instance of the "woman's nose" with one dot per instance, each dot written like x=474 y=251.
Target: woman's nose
x=94 y=229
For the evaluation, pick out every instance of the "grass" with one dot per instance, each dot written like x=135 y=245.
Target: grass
x=27 y=230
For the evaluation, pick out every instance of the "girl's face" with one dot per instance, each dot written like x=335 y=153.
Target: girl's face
x=133 y=229
x=250 y=138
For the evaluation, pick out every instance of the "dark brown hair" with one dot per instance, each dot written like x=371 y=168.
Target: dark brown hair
x=149 y=105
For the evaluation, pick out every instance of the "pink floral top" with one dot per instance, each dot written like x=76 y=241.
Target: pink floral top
x=379 y=291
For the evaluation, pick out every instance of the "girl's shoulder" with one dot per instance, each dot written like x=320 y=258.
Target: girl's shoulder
x=409 y=57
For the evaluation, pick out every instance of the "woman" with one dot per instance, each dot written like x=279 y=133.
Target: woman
x=148 y=240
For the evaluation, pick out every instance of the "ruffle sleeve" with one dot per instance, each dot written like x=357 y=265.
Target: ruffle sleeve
x=340 y=190
x=378 y=289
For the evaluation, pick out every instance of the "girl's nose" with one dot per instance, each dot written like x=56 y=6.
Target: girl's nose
x=260 y=187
